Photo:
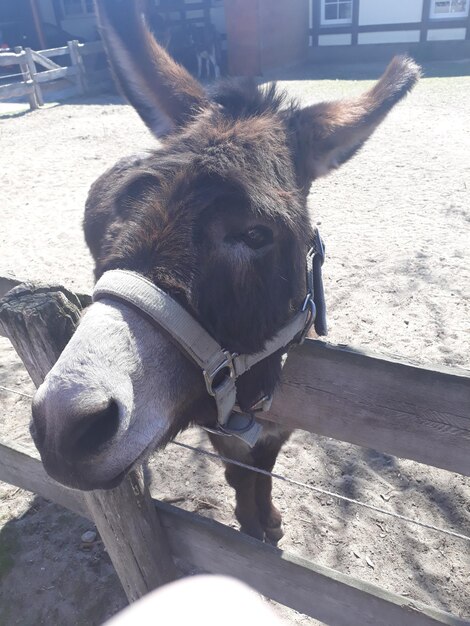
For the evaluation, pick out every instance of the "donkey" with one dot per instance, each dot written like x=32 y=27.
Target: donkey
x=215 y=219
x=207 y=44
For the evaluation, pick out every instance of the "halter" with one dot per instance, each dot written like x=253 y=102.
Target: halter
x=220 y=367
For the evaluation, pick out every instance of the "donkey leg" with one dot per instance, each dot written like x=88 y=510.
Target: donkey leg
x=215 y=65
x=246 y=510
x=265 y=455
x=269 y=515
x=243 y=481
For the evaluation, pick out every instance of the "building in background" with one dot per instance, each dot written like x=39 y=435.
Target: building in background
x=257 y=36
x=263 y=35
x=43 y=24
x=17 y=25
x=371 y=29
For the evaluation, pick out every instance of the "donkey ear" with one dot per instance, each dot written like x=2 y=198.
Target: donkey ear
x=163 y=93
x=330 y=133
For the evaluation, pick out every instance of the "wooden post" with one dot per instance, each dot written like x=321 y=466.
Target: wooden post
x=77 y=62
x=33 y=73
x=39 y=320
x=7 y=283
x=131 y=530
x=27 y=79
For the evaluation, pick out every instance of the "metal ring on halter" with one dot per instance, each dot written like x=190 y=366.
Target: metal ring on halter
x=239 y=431
x=228 y=432
x=209 y=377
x=308 y=303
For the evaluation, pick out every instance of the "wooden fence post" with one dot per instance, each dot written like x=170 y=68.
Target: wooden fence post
x=39 y=321
x=33 y=73
x=131 y=530
x=77 y=62
x=33 y=103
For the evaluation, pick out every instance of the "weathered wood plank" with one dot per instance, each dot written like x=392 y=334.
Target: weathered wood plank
x=54 y=52
x=42 y=60
x=15 y=90
x=39 y=322
x=21 y=466
x=77 y=63
x=27 y=78
x=126 y=519
x=318 y=591
x=62 y=72
x=7 y=283
x=9 y=58
x=34 y=74
x=24 y=312
x=396 y=408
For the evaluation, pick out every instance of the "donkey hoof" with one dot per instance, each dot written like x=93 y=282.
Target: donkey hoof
x=273 y=535
x=256 y=533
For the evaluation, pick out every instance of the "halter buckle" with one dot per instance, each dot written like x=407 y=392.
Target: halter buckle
x=210 y=376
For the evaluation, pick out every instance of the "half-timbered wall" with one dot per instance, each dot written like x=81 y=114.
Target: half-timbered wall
x=411 y=25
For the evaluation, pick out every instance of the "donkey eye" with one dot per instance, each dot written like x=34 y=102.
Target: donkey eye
x=257 y=237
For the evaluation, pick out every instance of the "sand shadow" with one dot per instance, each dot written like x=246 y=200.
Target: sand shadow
x=48 y=575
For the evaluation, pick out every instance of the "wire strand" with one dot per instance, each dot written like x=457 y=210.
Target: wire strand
x=5 y=76
x=18 y=393
x=325 y=492
x=298 y=483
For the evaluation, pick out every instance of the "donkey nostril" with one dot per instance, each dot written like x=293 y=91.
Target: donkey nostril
x=96 y=431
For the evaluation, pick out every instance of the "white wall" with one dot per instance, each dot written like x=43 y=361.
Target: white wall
x=446 y=34
x=377 y=12
x=392 y=36
x=389 y=11
x=343 y=39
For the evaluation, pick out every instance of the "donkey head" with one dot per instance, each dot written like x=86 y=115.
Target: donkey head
x=217 y=218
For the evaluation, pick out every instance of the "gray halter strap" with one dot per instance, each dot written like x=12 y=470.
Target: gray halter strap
x=220 y=368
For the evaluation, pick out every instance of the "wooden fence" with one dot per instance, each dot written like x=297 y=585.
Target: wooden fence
x=415 y=413
x=36 y=68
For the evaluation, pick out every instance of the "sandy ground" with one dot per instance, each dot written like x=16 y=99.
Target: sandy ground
x=397 y=224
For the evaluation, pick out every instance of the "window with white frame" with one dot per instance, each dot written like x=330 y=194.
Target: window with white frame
x=336 y=12
x=442 y=9
x=73 y=8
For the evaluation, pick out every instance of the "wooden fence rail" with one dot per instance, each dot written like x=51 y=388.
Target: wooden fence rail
x=393 y=401
x=37 y=68
x=10 y=58
x=396 y=408
x=375 y=402
x=27 y=86
x=209 y=546
x=54 y=52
